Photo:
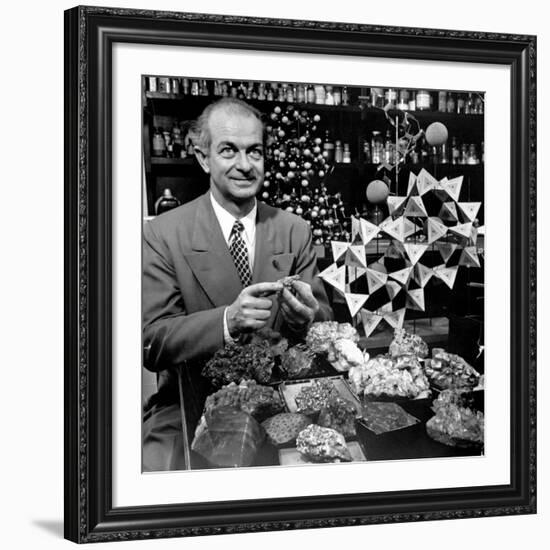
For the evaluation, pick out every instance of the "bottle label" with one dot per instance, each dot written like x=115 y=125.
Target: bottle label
x=442 y=102
x=422 y=100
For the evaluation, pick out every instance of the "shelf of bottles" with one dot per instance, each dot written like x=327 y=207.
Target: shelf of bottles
x=381 y=149
x=320 y=96
x=424 y=101
x=425 y=104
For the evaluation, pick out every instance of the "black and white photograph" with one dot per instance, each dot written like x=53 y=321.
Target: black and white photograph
x=313 y=273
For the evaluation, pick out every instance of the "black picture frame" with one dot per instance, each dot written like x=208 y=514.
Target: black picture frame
x=90 y=33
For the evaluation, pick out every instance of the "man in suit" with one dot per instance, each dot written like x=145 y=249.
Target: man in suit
x=210 y=272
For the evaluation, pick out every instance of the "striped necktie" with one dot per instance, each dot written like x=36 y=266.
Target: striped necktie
x=238 y=250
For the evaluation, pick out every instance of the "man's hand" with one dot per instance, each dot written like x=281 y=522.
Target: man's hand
x=299 y=310
x=252 y=309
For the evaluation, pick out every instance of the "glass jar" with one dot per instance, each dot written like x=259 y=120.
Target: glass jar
x=390 y=98
x=328 y=148
x=329 y=98
x=159 y=145
x=261 y=91
x=389 y=148
x=422 y=100
x=460 y=104
x=463 y=154
x=164 y=85
x=346 y=158
x=451 y=105
x=320 y=94
x=434 y=154
x=345 y=96
x=338 y=152
x=412 y=101
x=195 y=87
x=472 y=155
x=444 y=154
x=442 y=102
x=166 y=202
x=403 y=104
x=168 y=140
x=377 y=147
x=455 y=151
x=377 y=97
x=366 y=151
x=301 y=94
x=290 y=94
x=152 y=83
x=310 y=94
x=177 y=140
x=478 y=105
x=175 y=85
x=241 y=91
x=251 y=92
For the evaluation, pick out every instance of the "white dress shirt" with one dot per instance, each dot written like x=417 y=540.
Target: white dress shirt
x=226 y=221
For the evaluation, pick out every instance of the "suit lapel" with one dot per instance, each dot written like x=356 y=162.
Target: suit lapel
x=271 y=262
x=211 y=260
x=213 y=266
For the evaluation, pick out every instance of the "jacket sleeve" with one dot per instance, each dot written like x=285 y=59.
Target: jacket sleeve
x=306 y=267
x=171 y=335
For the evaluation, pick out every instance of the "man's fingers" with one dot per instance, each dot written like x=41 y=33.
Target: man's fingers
x=293 y=304
x=259 y=314
x=253 y=324
x=294 y=318
x=263 y=289
x=305 y=294
x=257 y=303
x=286 y=310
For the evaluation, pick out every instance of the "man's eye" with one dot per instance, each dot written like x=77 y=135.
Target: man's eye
x=256 y=154
x=227 y=152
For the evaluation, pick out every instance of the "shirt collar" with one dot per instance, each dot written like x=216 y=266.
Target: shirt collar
x=226 y=220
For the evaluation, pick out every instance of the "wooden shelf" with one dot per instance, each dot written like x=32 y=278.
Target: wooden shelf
x=164 y=95
x=187 y=161
x=191 y=160
x=308 y=106
x=437 y=115
x=430 y=115
x=427 y=165
x=425 y=115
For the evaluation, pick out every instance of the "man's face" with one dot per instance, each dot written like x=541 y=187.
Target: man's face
x=235 y=159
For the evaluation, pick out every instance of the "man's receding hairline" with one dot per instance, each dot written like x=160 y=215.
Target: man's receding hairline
x=228 y=106
x=231 y=109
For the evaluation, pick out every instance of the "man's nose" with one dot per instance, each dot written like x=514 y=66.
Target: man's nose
x=243 y=162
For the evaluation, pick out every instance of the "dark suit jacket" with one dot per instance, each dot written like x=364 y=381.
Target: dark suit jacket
x=189 y=277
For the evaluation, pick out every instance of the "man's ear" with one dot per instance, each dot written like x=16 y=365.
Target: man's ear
x=202 y=157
